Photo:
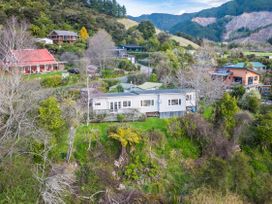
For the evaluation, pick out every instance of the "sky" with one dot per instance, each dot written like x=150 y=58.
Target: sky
x=139 y=7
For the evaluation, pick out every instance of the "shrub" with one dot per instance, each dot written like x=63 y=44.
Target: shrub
x=225 y=110
x=18 y=185
x=141 y=167
x=137 y=78
x=50 y=114
x=121 y=117
x=127 y=65
x=153 y=78
x=238 y=91
x=52 y=82
x=208 y=195
x=251 y=101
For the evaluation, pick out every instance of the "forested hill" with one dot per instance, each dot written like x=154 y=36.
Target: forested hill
x=192 y=24
x=46 y=15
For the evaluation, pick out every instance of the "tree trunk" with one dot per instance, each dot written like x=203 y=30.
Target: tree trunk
x=123 y=159
x=71 y=143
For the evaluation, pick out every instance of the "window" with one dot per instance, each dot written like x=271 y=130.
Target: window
x=256 y=78
x=97 y=104
x=188 y=97
x=126 y=104
x=147 y=103
x=174 y=102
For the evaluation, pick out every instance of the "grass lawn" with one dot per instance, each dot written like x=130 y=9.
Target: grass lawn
x=261 y=54
x=148 y=124
x=42 y=76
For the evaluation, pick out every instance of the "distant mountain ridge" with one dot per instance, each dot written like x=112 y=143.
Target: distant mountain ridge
x=163 y=21
x=213 y=23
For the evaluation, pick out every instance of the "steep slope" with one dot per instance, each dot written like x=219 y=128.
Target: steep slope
x=128 y=23
x=163 y=21
x=249 y=22
x=46 y=15
x=213 y=23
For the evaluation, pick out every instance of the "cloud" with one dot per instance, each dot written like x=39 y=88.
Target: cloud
x=139 y=7
x=210 y=3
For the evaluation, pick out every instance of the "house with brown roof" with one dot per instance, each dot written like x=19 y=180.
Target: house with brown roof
x=30 y=61
x=63 y=36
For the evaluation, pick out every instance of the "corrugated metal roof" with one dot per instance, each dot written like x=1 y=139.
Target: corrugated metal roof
x=65 y=33
x=28 y=57
x=242 y=65
x=135 y=93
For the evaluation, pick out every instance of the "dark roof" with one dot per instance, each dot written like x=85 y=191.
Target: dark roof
x=64 y=33
x=221 y=72
x=132 y=46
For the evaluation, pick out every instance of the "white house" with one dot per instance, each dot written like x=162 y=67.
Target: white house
x=162 y=103
x=46 y=41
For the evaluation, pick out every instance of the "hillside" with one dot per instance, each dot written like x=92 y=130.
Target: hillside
x=216 y=20
x=163 y=21
x=46 y=15
x=128 y=23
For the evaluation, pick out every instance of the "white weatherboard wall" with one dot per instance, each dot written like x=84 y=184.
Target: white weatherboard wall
x=161 y=102
x=164 y=103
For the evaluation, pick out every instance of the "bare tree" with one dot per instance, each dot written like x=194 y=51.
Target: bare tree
x=13 y=36
x=55 y=184
x=198 y=76
x=72 y=115
x=101 y=49
x=17 y=101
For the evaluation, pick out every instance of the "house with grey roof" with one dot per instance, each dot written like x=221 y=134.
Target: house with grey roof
x=163 y=103
x=63 y=36
x=256 y=66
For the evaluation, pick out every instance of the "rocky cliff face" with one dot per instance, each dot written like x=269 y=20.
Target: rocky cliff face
x=204 y=21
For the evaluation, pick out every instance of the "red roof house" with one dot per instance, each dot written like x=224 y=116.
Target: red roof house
x=34 y=61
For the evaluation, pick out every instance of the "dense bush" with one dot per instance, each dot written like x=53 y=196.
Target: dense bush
x=137 y=78
x=127 y=65
x=52 y=82
x=18 y=185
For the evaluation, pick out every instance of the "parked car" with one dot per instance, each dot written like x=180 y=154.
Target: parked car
x=74 y=71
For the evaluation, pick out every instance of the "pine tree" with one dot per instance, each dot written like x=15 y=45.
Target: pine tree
x=84 y=35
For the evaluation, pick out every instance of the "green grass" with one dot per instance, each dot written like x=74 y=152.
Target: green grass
x=42 y=76
x=260 y=54
x=148 y=124
x=185 y=145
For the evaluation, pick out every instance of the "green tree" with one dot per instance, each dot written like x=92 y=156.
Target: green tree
x=153 y=78
x=251 y=101
x=225 y=110
x=126 y=136
x=264 y=131
x=50 y=114
x=238 y=91
x=147 y=29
